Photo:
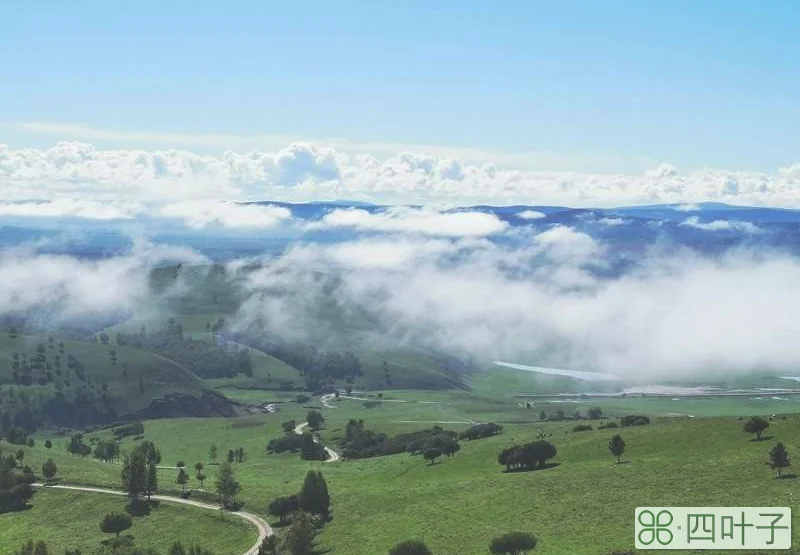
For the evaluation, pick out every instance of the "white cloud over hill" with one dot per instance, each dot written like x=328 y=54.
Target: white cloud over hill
x=305 y=171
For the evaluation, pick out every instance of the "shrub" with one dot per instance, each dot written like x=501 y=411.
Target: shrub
x=607 y=425
x=582 y=428
x=479 y=431
x=634 y=420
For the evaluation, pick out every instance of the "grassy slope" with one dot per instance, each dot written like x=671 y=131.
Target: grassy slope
x=585 y=505
x=52 y=518
x=159 y=376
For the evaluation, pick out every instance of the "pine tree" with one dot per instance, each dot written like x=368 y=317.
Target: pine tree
x=314 y=497
x=151 y=481
x=617 y=447
x=182 y=480
x=227 y=486
x=779 y=458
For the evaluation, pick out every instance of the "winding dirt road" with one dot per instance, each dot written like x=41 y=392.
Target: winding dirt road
x=261 y=525
x=333 y=456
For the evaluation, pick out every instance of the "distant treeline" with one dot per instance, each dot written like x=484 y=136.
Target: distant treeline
x=205 y=359
x=318 y=367
x=361 y=443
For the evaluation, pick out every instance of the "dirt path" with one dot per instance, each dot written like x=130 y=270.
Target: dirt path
x=333 y=456
x=261 y=525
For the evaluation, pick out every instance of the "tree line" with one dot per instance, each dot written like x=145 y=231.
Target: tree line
x=205 y=359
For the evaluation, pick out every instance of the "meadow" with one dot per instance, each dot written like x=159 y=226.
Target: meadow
x=584 y=505
x=72 y=519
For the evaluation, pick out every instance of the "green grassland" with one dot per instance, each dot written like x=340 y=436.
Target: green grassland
x=133 y=381
x=70 y=519
x=584 y=505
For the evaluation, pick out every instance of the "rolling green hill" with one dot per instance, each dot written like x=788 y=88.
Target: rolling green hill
x=49 y=520
x=584 y=505
x=79 y=383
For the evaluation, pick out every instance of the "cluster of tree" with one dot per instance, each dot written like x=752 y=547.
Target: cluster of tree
x=318 y=367
x=778 y=455
x=313 y=499
x=77 y=447
x=228 y=487
x=511 y=543
x=315 y=419
x=309 y=449
x=22 y=409
x=201 y=357
x=106 y=450
x=236 y=455
x=140 y=471
x=16 y=435
x=361 y=443
x=133 y=429
x=634 y=420
x=15 y=483
x=582 y=428
x=112 y=548
x=479 y=431
x=434 y=446
x=527 y=456
x=37 y=368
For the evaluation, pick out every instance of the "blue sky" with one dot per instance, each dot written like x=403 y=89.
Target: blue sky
x=604 y=86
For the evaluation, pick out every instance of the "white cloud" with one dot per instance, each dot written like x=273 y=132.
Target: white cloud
x=470 y=298
x=531 y=215
x=611 y=222
x=421 y=221
x=52 y=288
x=202 y=213
x=73 y=208
x=721 y=225
x=307 y=171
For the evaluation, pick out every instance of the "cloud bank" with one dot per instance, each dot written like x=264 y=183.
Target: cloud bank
x=305 y=171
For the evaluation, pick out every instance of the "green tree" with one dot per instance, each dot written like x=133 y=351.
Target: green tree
x=199 y=474
x=269 y=546
x=410 y=547
x=513 y=543
x=48 y=444
x=134 y=475
x=212 y=453
x=595 y=413
x=115 y=523
x=314 y=497
x=779 y=458
x=756 y=425
x=301 y=535
x=431 y=454
x=182 y=480
x=151 y=480
x=227 y=486
x=49 y=469
x=315 y=419
x=282 y=507
x=617 y=447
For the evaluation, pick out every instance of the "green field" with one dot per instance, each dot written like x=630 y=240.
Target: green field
x=68 y=519
x=584 y=505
